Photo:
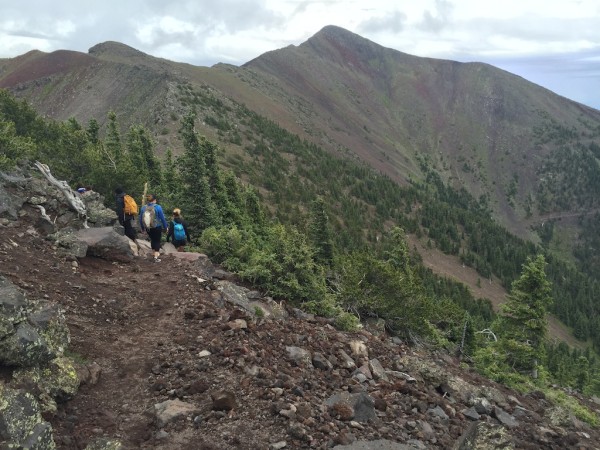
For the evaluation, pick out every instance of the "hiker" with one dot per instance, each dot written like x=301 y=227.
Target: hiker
x=126 y=211
x=153 y=222
x=178 y=231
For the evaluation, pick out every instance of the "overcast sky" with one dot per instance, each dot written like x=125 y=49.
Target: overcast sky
x=554 y=43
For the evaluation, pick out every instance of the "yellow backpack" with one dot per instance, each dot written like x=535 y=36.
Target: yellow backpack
x=130 y=206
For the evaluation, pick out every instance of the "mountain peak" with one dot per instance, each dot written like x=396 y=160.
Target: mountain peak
x=114 y=49
x=333 y=32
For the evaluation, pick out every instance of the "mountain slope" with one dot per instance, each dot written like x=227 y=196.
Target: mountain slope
x=66 y=84
x=475 y=124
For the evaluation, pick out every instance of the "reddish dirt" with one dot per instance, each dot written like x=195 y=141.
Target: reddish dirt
x=144 y=324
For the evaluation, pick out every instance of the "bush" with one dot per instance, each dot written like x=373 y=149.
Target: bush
x=279 y=260
x=347 y=322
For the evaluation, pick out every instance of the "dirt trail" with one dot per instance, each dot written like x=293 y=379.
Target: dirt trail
x=145 y=325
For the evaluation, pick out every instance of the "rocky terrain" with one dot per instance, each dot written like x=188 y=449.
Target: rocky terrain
x=180 y=355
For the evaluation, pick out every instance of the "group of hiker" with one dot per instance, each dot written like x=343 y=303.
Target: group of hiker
x=152 y=221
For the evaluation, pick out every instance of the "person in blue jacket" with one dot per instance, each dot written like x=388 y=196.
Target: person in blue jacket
x=153 y=222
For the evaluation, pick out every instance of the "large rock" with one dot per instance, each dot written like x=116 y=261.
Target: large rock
x=29 y=335
x=362 y=405
x=482 y=435
x=69 y=244
x=97 y=214
x=49 y=321
x=57 y=380
x=25 y=347
x=245 y=299
x=171 y=410
x=13 y=306
x=10 y=204
x=106 y=243
x=105 y=444
x=21 y=424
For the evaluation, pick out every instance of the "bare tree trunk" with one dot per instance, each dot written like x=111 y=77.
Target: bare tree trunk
x=144 y=194
x=71 y=196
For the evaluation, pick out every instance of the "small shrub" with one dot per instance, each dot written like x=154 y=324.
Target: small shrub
x=346 y=321
x=258 y=312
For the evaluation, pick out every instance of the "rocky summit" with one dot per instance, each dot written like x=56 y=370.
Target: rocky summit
x=101 y=348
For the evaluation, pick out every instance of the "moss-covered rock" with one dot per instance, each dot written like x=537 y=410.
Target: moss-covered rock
x=56 y=381
x=13 y=307
x=21 y=424
x=29 y=335
x=25 y=348
x=49 y=320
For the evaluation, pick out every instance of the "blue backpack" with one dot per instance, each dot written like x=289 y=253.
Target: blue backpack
x=178 y=232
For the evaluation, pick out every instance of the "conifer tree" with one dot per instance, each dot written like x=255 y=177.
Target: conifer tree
x=92 y=131
x=113 y=140
x=320 y=232
x=197 y=197
x=145 y=165
x=523 y=325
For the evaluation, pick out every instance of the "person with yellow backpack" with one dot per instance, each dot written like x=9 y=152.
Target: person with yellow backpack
x=127 y=209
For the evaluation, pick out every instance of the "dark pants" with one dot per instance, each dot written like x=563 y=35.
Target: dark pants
x=129 y=230
x=180 y=245
x=155 y=235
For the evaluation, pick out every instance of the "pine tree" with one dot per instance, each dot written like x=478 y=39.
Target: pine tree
x=320 y=232
x=197 y=197
x=92 y=131
x=523 y=325
x=145 y=165
x=113 y=139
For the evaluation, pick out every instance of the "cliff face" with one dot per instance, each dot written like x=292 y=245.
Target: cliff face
x=178 y=355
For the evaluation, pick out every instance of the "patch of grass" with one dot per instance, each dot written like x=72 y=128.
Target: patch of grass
x=572 y=405
x=258 y=312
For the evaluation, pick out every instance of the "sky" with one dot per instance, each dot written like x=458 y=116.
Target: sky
x=553 y=43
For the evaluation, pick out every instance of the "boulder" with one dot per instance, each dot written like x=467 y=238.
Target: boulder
x=105 y=444
x=29 y=335
x=106 y=243
x=381 y=444
x=361 y=404
x=25 y=347
x=49 y=321
x=21 y=423
x=69 y=244
x=13 y=306
x=483 y=435
x=58 y=379
x=97 y=214
x=10 y=204
x=171 y=410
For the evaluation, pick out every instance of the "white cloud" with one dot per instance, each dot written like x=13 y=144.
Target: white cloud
x=205 y=32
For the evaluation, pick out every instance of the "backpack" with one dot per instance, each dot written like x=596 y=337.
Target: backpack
x=149 y=217
x=130 y=207
x=178 y=231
